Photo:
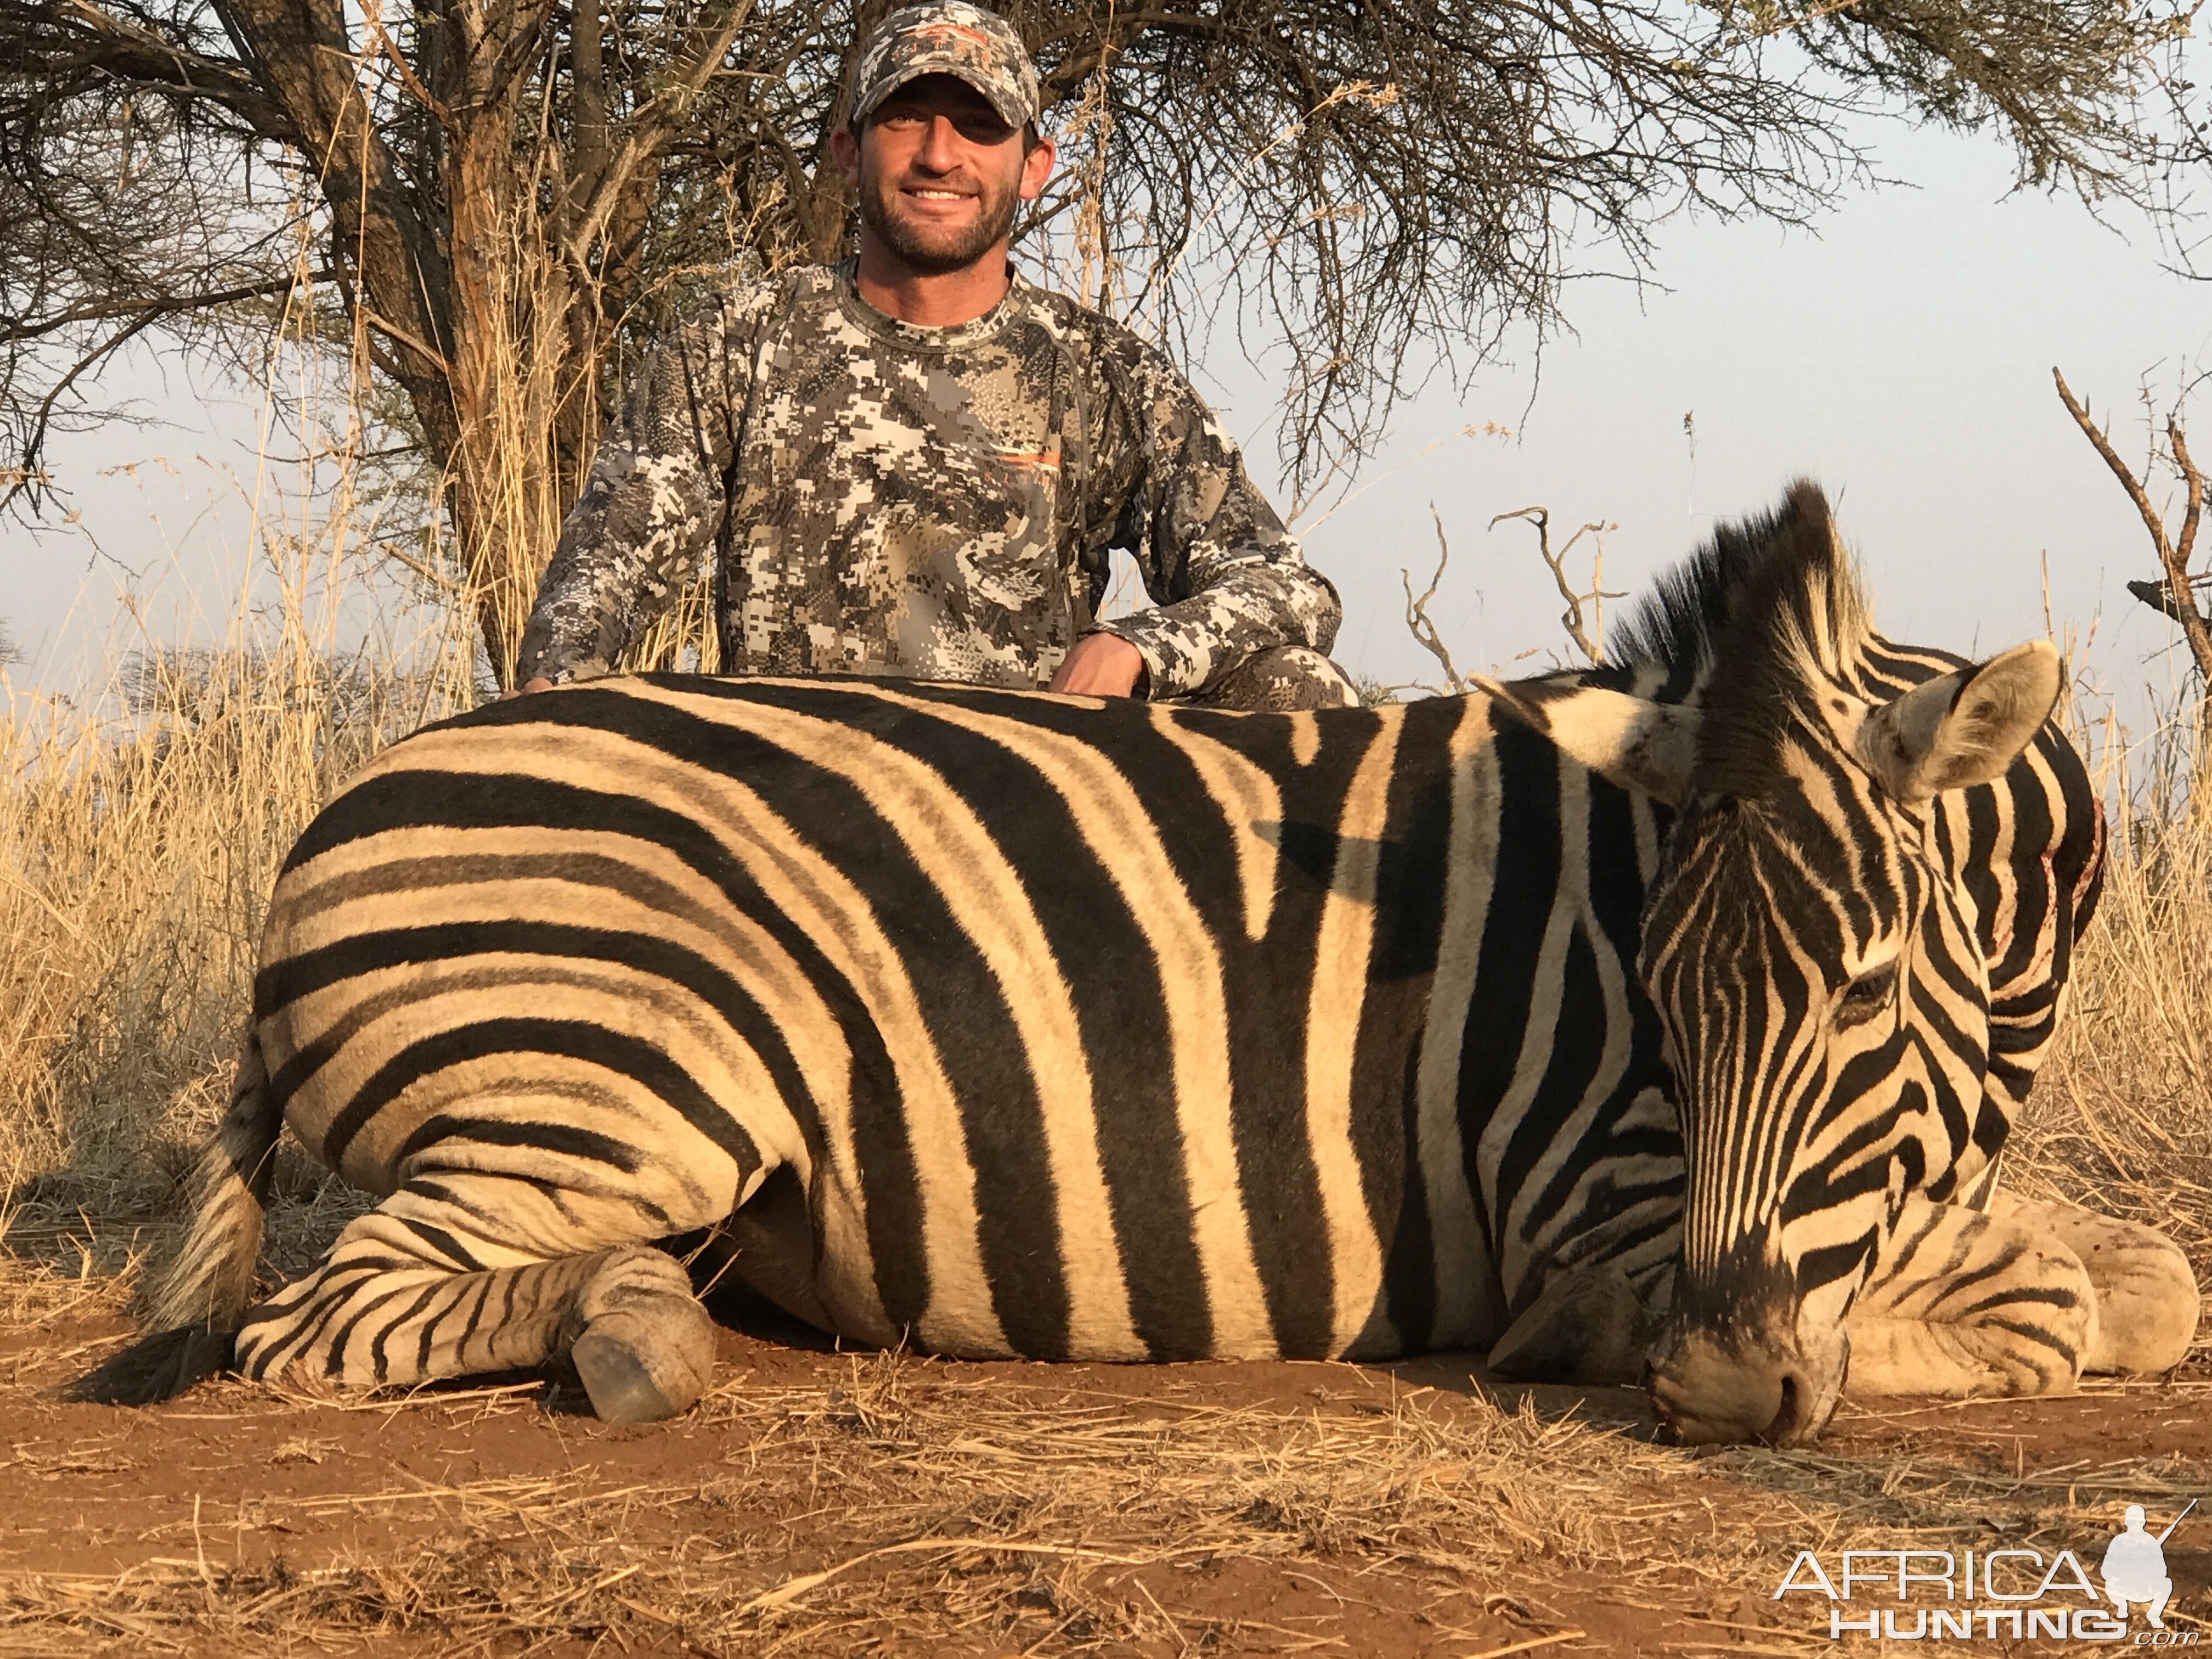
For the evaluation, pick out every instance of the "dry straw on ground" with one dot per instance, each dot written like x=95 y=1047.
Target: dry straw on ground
x=896 y=1512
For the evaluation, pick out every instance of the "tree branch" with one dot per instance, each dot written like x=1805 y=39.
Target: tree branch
x=28 y=477
x=1593 y=649
x=1419 y=623
x=14 y=329
x=2174 y=559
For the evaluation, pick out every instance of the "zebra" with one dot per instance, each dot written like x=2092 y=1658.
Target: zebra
x=1663 y=1021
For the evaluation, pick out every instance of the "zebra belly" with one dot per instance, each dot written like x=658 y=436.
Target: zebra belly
x=844 y=1291
x=960 y=1328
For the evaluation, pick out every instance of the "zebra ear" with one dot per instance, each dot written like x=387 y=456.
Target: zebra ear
x=1646 y=746
x=1964 y=727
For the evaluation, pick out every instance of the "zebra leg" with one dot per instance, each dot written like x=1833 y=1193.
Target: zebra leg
x=420 y=1289
x=2147 y=1299
x=1960 y=1302
x=1587 y=1326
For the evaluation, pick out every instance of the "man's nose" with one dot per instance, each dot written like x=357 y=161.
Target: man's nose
x=940 y=145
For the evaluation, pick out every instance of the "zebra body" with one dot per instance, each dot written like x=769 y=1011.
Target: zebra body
x=1111 y=1032
x=1007 y=1024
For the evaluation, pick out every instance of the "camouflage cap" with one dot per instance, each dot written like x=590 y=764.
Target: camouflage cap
x=947 y=37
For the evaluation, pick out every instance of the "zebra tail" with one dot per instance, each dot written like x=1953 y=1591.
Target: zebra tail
x=195 y=1307
x=211 y=1280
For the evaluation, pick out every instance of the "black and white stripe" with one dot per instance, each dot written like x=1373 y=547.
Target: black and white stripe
x=1105 y=1031
x=1029 y=1025
x=1857 y=942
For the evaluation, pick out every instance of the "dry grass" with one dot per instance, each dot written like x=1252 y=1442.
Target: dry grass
x=139 y=838
x=141 y=826
x=2121 y=1119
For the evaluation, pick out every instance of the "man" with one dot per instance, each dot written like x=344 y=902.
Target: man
x=2134 y=1569
x=916 y=463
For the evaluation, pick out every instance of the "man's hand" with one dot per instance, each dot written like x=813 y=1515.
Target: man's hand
x=1099 y=665
x=527 y=685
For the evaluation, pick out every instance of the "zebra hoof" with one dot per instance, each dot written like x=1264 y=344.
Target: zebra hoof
x=643 y=1370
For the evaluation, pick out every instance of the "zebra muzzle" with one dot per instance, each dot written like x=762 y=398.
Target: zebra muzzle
x=1731 y=1384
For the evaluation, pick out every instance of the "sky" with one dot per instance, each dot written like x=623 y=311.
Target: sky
x=1901 y=357
x=1900 y=354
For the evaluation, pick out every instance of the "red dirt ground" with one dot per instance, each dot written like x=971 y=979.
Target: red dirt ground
x=231 y=1481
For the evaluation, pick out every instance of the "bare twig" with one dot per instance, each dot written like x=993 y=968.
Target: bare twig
x=1588 y=635
x=1418 y=620
x=397 y=59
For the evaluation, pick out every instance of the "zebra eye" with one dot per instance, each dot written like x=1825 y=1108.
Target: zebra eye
x=1866 y=996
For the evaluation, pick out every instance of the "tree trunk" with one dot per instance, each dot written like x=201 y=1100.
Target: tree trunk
x=488 y=264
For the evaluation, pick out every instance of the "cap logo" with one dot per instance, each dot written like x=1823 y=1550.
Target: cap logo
x=949 y=37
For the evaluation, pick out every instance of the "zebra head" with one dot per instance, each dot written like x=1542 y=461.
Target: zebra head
x=1807 y=944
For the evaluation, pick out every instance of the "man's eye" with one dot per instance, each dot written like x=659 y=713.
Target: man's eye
x=904 y=120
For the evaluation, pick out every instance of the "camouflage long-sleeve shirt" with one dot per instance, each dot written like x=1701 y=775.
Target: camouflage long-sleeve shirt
x=937 y=503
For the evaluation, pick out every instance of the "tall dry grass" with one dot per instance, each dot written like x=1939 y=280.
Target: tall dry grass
x=138 y=842
x=2121 y=1119
x=141 y=824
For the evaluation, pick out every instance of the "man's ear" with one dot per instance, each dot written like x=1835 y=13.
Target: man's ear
x=845 y=151
x=1646 y=746
x=1964 y=727
x=1036 y=167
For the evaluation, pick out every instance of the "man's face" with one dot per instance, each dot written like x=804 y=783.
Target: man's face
x=940 y=175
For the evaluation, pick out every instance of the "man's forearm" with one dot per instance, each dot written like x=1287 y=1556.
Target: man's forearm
x=602 y=588
x=1253 y=603
x=1227 y=579
x=648 y=509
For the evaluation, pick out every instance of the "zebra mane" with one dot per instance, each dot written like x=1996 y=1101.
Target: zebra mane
x=1755 y=627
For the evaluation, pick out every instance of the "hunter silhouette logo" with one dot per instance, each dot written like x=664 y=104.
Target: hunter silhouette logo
x=2008 y=1592
x=2134 y=1568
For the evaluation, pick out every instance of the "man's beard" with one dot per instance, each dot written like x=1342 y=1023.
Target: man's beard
x=930 y=257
